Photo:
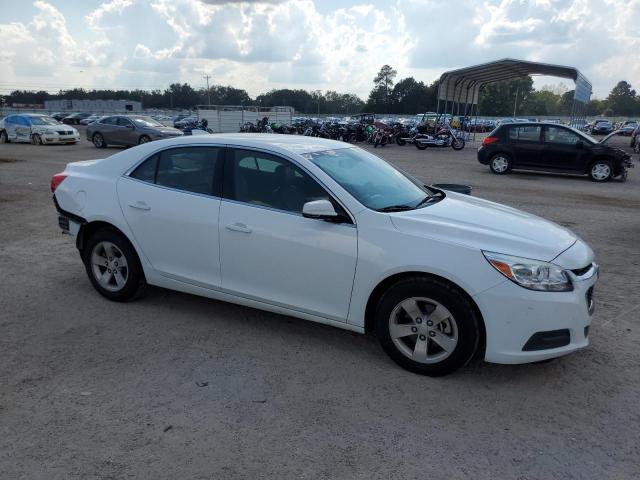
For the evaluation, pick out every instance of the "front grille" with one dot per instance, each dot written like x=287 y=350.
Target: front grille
x=61 y=132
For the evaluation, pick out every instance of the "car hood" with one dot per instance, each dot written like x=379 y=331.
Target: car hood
x=489 y=226
x=53 y=128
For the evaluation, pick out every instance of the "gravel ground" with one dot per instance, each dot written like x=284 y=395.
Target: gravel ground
x=177 y=386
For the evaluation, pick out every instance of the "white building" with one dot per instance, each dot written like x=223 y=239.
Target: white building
x=93 y=106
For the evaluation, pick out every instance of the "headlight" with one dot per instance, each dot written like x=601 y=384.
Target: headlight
x=531 y=274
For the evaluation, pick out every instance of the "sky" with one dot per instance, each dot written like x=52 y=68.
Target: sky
x=312 y=44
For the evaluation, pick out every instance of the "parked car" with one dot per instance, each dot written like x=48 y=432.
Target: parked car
x=59 y=115
x=74 y=118
x=90 y=119
x=552 y=148
x=627 y=128
x=180 y=117
x=185 y=122
x=278 y=224
x=127 y=130
x=37 y=129
x=635 y=137
x=601 y=127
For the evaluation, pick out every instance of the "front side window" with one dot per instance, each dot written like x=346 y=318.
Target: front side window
x=109 y=121
x=525 y=134
x=560 y=136
x=190 y=169
x=145 y=122
x=267 y=180
x=371 y=180
x=123 y=122
x=43 y=121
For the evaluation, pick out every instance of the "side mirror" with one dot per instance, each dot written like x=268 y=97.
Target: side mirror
x=579 y=144
x=130 y=126
x=321 y=209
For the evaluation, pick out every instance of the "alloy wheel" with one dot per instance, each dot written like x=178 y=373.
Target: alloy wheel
x=500 y=164
x=423 y=330
x=109 y=266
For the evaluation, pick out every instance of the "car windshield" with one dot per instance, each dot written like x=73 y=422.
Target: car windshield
x=145 y=122
x=371 y=180
x=43 y=121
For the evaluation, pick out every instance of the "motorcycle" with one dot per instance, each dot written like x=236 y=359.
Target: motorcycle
x=438 y=135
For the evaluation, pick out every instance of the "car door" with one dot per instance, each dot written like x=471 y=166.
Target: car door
x=10 y=126
x=563 y=149
x=108 y=127
x=269 y=251
x=526 y=144
x=171 y=204
x=127 y=132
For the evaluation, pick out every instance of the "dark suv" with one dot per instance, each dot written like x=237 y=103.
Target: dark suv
x=552 y=148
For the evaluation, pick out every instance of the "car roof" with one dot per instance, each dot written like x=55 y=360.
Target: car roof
x=297 y=144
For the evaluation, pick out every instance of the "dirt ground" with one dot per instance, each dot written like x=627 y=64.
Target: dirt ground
x=176 y=386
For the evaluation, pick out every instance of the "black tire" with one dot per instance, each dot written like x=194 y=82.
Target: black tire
x=601 y=171
x=376 y=143
x=4 y=138
x=457 y=143
x=36 y=139
x=144 y=139
x=400 y=141
x=135 y=282
x=497 y=164
x=462 y=313
x=98 y=140
x=420 y=147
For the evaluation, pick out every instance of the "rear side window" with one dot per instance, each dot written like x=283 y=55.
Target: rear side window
x=527 y=133
x=146 y=171
x=190 y=169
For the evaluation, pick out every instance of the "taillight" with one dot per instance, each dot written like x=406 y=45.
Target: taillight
x=57 y=180
x=489 y=140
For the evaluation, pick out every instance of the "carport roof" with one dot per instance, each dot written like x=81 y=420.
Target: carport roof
x=464 y=85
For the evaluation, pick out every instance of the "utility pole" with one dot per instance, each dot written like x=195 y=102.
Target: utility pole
x=207 y=77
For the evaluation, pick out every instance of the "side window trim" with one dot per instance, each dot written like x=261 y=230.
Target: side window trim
x=228 y=178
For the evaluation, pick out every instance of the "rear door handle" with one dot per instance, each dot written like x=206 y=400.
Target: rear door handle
x=239 y=227
x=140 y=206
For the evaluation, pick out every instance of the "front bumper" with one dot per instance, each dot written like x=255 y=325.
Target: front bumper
x=513 y=315
x=60 y=138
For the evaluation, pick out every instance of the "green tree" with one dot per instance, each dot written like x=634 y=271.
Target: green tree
x=622 y=99
x=500 y=98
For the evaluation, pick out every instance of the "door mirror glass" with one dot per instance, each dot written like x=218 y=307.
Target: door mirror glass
x=322 y=209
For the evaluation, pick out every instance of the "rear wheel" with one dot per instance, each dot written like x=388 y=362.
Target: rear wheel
x=420 y=146
x=36 y=139
x=500 y=164
x=601 y=171
x=98 y=140
x=427 y=326
x=144 y=139
x=113 y=266
x=400 y=141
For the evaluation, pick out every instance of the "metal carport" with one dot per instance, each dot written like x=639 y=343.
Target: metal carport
x=459 y=90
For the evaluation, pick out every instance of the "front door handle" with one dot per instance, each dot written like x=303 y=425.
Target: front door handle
x=239 y=227
x=140 y=206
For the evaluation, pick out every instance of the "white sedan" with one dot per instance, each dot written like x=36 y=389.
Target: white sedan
x=328 y=232
x=37 y=129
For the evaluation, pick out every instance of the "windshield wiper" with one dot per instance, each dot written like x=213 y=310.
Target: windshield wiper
x=396 y=208
x=437 y=196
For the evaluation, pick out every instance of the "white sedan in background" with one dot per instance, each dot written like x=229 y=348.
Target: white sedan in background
x=327 y=232
x=37 y=129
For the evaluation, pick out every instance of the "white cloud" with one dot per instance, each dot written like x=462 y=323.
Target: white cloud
x=278 y=43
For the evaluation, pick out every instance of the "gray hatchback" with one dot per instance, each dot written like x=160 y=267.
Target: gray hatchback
x=128 y=130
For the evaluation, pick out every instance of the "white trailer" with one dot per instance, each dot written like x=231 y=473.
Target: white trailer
x=229 y=118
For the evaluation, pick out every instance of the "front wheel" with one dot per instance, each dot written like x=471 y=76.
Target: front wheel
x=4 y=138
x=500 y=164
x=457 y=143
x=113 y=266
x=601 y=171
x=144 y=139
x=420 y=146
x=36 y=139
x=427 y=326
